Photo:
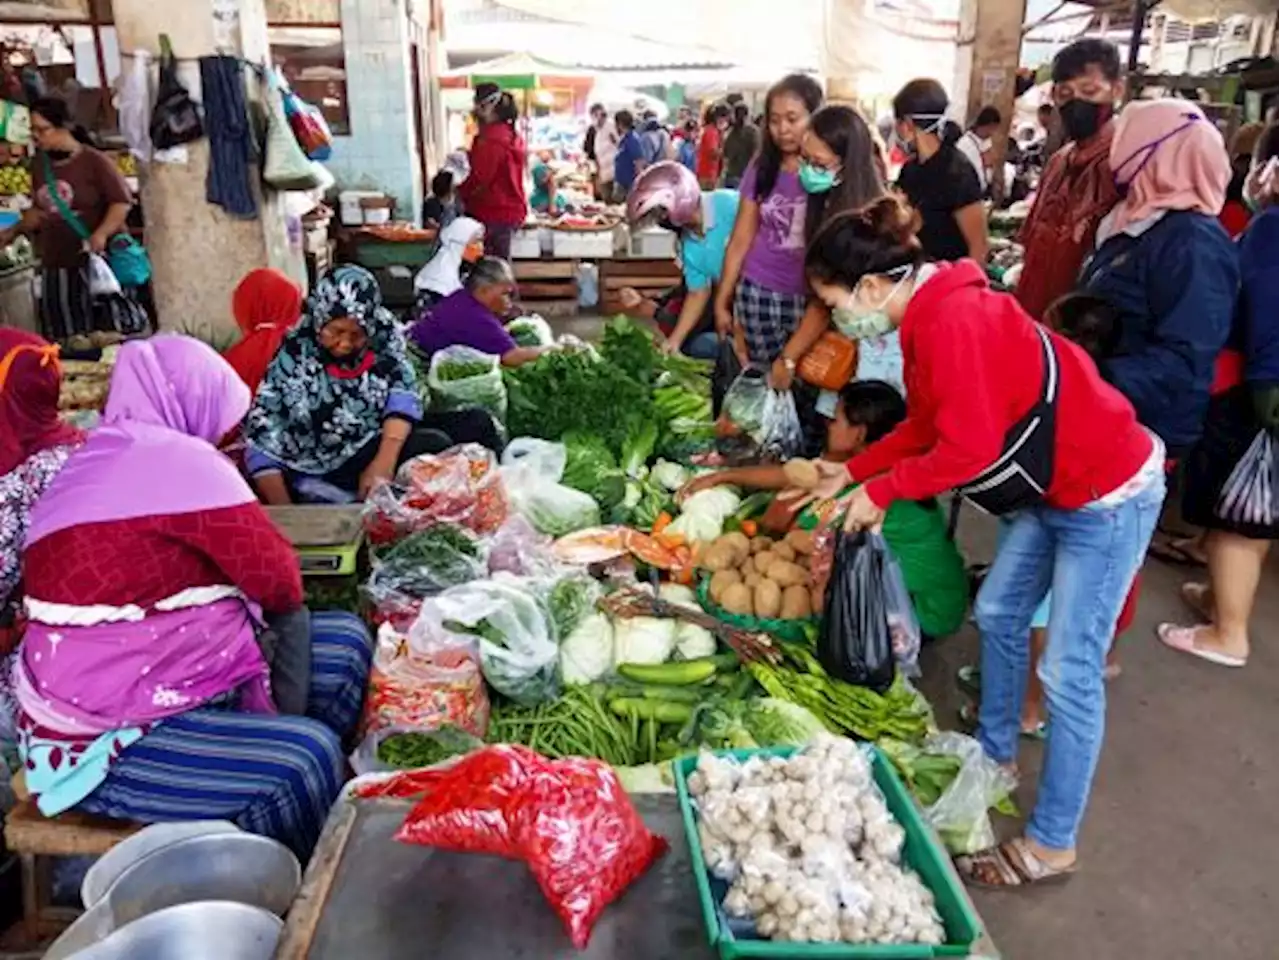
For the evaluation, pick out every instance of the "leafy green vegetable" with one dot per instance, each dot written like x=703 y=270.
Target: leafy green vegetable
x=637 y=448
x=570 y=600
x=632 y=349
x=427 y=561
x=530 y=331
x=425 y=748
x=566 y=391
x=462 y=370
x=593 y=469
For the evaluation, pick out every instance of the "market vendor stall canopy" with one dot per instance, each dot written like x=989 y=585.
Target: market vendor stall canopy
x=517 y=71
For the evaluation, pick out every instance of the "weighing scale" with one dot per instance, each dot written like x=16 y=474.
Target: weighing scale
x=328 y=538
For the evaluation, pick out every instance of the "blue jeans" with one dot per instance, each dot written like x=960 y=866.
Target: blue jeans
x=701 y=346
x=1089 y=557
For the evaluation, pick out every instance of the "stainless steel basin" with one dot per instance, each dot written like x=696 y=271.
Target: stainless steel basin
x=107 y=869
x=239 y=867
x=210 y=930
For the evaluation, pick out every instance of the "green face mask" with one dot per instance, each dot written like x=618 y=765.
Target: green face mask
x=861 y=323
x=815 y=179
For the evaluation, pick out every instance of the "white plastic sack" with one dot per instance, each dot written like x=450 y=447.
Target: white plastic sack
x=481 y=388
x=531 y=470
x=518 y=652
x=133 y=103
x=286 y=166
x=102 y=281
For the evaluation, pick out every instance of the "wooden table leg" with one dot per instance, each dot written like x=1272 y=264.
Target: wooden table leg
x=30 y=898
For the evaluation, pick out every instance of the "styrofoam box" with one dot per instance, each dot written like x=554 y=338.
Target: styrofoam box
x=525 y=245
x=653 y=243
x=595 y=243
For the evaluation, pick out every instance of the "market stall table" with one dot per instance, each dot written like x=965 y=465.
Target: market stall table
x=366 y=895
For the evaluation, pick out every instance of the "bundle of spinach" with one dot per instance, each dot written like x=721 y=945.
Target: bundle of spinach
x=427 y=561
x=573 y=390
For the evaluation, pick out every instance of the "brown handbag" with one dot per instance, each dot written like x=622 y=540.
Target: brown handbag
x=830 y=362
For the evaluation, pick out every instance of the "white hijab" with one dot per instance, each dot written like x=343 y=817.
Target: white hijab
x=440 y=275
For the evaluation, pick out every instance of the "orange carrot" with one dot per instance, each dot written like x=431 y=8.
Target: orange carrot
x=750 y=528
x=660 y=524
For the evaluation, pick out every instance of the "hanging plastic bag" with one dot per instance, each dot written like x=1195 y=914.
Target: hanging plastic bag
x=102 y=282
x=727 y=369
x=428 y=682
x=133 y=106
x=855 y=643
x=518 y=650
x=961 y=815
x=309 y=127
x=286 y=166
x=767 y=418
x=531 y=472
x=175 y=119
x=463 y=378
x=1251 y=494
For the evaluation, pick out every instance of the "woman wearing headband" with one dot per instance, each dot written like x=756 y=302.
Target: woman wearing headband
x=937 y=179
x=494 y=191
x=1167 y=266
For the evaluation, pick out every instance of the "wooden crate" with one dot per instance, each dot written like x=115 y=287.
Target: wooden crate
x=548 y=287
x=650 y=277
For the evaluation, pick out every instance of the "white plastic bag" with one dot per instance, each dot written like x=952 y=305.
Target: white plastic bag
x=518 y=651
x=1251 y=494
x=766 y=417
x=960 y=815
x=462 y=378
x=133 y=104
x=531 y=471
x=102 y=281
x=286 y=166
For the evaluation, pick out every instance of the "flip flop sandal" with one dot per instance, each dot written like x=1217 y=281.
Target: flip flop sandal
x=969 y=720
x=1009 y=866
x=969 y=679
x=1183 y=639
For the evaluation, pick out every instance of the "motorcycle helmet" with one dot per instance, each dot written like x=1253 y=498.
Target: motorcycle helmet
x=667 y=193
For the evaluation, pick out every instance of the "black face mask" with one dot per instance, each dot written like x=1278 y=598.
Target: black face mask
x=57 y=156
x=1081 y=119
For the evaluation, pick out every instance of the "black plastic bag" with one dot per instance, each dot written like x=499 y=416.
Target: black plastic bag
x=727 y=369
x=176 y=118
x=856 y=643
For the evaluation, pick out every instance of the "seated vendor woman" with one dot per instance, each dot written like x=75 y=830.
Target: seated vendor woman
x=149 y=566
x=339 y=408
x=916 y=531
x=473 y=317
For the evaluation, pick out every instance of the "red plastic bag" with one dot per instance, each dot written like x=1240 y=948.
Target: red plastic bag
x=584 y=841
x=461 y=485
x=570 y=820
x=477 y=804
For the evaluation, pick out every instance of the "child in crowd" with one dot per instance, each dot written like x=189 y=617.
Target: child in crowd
x=866 y=411
x=441 y=208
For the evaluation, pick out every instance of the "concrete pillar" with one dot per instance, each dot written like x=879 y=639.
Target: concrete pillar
x=382 y=151
x=987 y=65
x=198 y=252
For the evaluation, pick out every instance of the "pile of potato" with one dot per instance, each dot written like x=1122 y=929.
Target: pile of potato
x=763 y=577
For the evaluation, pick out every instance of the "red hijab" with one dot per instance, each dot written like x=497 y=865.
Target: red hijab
x=266 y=304
x=30 y=377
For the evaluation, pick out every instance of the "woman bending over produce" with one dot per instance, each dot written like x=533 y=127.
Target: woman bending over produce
x=142 y=682
x=1018 y=419
x=473 y=316
x=337 y=409
x=916 y=531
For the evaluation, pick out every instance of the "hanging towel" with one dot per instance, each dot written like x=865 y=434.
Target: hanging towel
x=227 y=120
x=133 y=104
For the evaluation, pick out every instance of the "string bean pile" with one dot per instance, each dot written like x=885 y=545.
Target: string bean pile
x=578 y=723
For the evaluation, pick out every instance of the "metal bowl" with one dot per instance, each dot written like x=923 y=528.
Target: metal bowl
x=106 y=869
x=239 y=867
x=211 y=930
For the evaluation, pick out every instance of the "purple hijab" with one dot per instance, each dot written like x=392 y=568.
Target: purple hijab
x=87 y=670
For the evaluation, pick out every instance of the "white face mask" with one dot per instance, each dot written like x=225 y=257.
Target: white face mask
x=984 y=143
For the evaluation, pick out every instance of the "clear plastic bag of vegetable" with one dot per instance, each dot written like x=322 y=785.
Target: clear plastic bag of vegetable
x=411 y=748
x=531 y=471
x=531 y=331
x=961 y=815
x=519 y=549
x=518 y=650
x=462 y=378
x=428 y=561
x=429 y=682
x=764 y=416
x=461 y=485
x=855 y=643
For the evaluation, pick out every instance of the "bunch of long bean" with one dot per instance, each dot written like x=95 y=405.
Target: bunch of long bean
x=576 y=724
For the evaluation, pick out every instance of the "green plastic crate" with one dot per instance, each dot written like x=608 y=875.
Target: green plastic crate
x=921 y=851
x=379 y=254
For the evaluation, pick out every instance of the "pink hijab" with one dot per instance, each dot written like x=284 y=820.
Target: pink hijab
x=88 y=670
x=1166 y=155
x=172 y=398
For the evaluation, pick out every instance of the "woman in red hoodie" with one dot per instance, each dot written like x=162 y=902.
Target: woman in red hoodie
x=1017 y=419
x=493 y=192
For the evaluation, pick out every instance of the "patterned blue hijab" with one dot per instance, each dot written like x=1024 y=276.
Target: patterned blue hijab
x=312 y=416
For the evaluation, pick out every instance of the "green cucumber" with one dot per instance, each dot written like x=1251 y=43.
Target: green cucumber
x=679 y=673
x=655 y=710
